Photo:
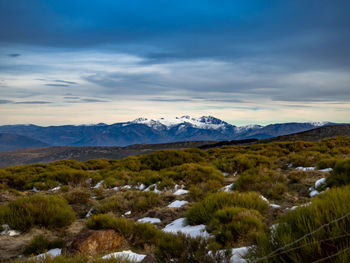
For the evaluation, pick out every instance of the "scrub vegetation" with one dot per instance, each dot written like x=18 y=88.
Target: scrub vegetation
x=255 y=195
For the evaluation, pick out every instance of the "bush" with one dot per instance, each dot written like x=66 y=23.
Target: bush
x=39 y=244
x=37 y=210
x=340 y=174
x=203 y=212
x=135 y=201
x=168 y=158
x=268 y=182
x=319 y=217
x=77 y=196
x=233 y=224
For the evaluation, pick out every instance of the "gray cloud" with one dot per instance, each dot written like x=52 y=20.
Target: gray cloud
x=57 y=85
x=6 y=101
x=14 y=55
x=32 y=102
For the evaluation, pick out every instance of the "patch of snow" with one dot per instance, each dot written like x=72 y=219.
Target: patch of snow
x=179 y=226
x=177 y=204
x=296 y=206
x=35 y=190
x=8 y=232
x=126 y=187
x=326 y=170
x=238 y=254
x=52 y=253
x=154 y=186
x=181 y=192
x=227 y=188
x=320 y=182
x=116 y=188
x=89 y=213
x=127 y=213
x=127 y=254
x=274 y=206
x=305 y=168
x=225 y=174
x=56 y=188
x=141 y=187
x=313 y=193
x=264 y=198
x=149 y=220
x=98 y=185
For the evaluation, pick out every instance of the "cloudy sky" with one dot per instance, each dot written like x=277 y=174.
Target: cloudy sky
x=248 y=61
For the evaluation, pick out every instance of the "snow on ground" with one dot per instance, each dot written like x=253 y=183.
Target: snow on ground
x=52 y=252
x=296 y=206
x=127 y=254
x=89 y=213
x=8 y=232
x=127 y=213
x=320 y=182
x=274 y=206
x=35 y=190
x=227 y=188
x=313 y=193
x=181 y=192
x=238 y=254
x=126 y=187
x=305 y=168
x=98 y=185
x=149 y=220
x=177 y=204
x=264 y=198
x=154 y=187
x=116 y=188
x=56 y=188
x=179 y=225
x=326 y=170
x=141 y=187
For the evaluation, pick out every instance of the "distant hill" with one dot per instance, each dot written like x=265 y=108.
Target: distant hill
x=51 y=154
x=10 y=142
x=315 y=134
x=151 y=131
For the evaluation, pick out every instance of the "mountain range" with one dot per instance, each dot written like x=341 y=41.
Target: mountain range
x=142 y=131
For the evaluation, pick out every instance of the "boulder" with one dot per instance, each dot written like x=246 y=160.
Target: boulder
x=93 y=242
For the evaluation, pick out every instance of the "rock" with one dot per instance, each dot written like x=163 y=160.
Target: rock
x=93 y=242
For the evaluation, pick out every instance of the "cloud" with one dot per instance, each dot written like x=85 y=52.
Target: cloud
x=5 y=101
x=56 y=85
x=66 y=82
x=32 y=102
x=14 y=55
x=71 y=97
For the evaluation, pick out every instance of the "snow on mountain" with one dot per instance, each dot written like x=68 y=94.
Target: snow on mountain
x=204 y=122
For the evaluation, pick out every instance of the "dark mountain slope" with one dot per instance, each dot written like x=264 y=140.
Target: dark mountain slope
x=10 y=142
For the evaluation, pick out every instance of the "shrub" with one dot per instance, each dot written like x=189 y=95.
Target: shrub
x=46 y=211
x=77 y=196
x=268 y=182
x=340 y=174
x=232 y=224
x=168 y=158
x=203 y=212
x=326 y=163
x=40 y=244
x=130 y=201
x=321 y=216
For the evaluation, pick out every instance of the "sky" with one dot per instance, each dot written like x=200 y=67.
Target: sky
x=245 y=62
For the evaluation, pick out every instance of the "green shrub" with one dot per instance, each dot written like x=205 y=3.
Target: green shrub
x=39 y=244
x=326 y=163
x=233 y=224
x=168 y=158
x=340 y=174
x=321 y=216
x=203 y=212
x=45 y=211
x=268 y=182
x=72 y=259
x=77 y=196
x=135 y=201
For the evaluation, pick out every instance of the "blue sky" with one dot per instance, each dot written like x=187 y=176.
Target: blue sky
x=262 y=62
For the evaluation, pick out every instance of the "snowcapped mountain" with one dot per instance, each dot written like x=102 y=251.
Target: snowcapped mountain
x=146 y=131
x=204 y=122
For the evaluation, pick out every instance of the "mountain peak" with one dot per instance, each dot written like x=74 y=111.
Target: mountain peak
x=204 y=122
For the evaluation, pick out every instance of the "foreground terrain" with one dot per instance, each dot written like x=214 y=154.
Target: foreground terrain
x=263 y=202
